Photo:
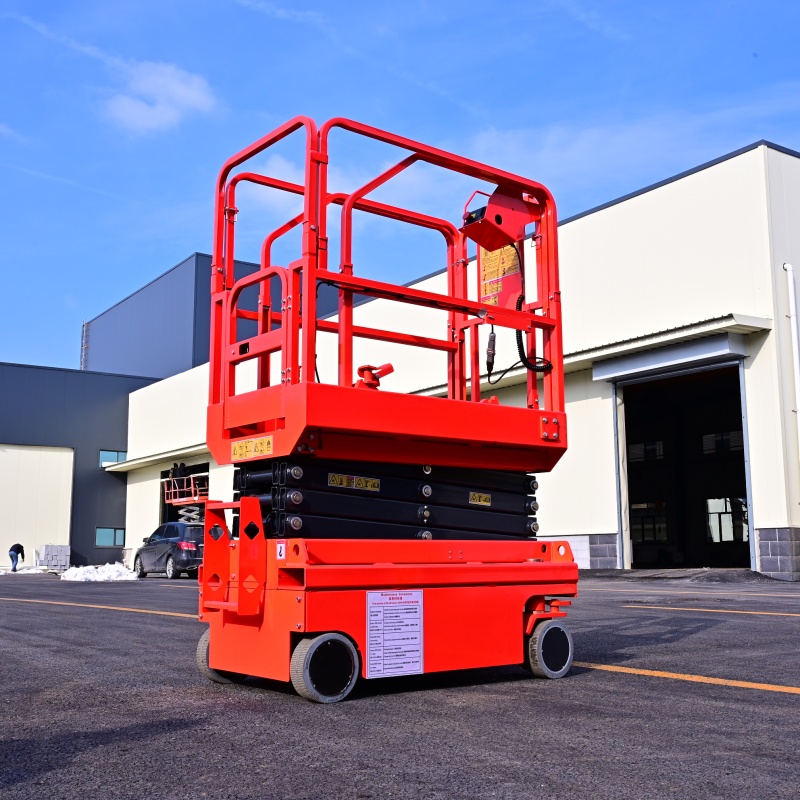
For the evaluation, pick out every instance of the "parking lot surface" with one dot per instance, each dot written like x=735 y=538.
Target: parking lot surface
x=685 y=687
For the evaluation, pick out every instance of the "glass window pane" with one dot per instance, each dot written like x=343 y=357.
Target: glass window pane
x=636 y=452
x=104 y=537
x=725 y=442
x=726 y=527
x=727 y=519
x=119 y=537
x=112 y=457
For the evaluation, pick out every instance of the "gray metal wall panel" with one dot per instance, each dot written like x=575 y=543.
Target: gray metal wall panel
x=202 y=313
x=165 y=327
x=201 y=332
x=149 y=333
x=88 y=412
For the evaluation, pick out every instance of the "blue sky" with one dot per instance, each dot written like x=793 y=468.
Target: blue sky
x=116 y=117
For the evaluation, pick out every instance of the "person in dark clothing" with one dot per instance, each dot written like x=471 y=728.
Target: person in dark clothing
x=173 y=477
x=181 y=473
x=15 y=552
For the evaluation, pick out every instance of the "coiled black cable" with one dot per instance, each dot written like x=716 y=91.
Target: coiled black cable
x=541 y=364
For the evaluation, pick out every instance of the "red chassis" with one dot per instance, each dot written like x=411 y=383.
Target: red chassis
x=317 y=611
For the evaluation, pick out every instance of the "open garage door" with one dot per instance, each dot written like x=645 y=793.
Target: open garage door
x=36 y=498
x=687 y=486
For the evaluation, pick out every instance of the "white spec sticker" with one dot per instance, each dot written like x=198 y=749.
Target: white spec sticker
x=394 y=633
x=280 y=549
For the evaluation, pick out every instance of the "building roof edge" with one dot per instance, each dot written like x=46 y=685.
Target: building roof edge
x=685 y=174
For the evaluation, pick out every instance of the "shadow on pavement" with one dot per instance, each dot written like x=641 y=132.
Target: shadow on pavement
x=23 y=760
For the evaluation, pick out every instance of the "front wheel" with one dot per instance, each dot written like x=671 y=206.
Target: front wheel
x=216 y=675
x=172 y=570
x=324 y=668
x=138 y=568
x=550 y=650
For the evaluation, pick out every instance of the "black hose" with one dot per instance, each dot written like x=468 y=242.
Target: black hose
x=540 y=365
x=543 y=364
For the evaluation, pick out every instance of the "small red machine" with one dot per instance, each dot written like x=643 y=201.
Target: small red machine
x=376 y=533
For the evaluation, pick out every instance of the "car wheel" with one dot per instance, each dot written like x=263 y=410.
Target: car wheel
x=324 y=668
x=138 y=568
x=215 y=675
x=172 y=569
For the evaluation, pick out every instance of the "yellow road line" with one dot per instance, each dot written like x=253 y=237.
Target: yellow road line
x=107 y=608
x=680 y=676
x=174 y=586
x=720 y=611
x=767 y=687
x=697 y=592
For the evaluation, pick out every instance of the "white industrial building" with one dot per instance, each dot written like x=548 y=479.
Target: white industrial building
x=681 y=379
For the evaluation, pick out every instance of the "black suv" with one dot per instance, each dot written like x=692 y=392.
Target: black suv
x=173 y=548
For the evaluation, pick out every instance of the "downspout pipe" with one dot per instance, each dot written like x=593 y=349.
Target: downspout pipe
x=795 y=347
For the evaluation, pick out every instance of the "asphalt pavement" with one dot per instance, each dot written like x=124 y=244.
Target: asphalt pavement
x=686 y=685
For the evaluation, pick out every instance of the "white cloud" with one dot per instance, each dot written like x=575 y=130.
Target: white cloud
x=158 y=96
x=311 y=18
x=281 y=206
x=155 y=95
x=9 y=133
x=595 y=21
x=278 y=12
x=600 y=161
x=327 y=29
x=66 y=181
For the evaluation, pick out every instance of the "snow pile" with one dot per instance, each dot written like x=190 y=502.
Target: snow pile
x=104 y=573
x=24 y=571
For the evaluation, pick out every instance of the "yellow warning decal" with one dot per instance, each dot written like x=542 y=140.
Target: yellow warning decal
x=354 y=482
x=479 y=499
x=251 y=448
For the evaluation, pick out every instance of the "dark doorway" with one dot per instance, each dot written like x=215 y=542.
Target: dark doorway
x=687 y=488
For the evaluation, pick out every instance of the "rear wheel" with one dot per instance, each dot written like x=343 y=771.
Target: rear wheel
x=324 y=668
x=216 y=675
x=550 y=650
x=172 y=569
x=138 y=568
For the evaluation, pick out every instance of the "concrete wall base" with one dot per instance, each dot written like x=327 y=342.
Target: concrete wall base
x=779 y=553
x=603 y=551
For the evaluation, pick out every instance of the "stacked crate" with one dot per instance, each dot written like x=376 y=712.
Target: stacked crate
x=54 y=556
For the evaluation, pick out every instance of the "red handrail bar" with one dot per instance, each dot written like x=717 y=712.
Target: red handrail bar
x=548 y=277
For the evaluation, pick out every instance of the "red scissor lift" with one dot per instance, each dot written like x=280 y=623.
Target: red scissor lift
x=375 y=533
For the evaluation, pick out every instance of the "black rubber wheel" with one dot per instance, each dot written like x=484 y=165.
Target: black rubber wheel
x=324 y=668
x=216 y=675
x=138 y=569
x=550 y=650
x=172 y=571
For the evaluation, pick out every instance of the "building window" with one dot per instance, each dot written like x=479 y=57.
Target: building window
x=727 y=442
x=109 y=537
x=648 y=522
x=646 y=451
x=112 y=457
x=727 y=519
